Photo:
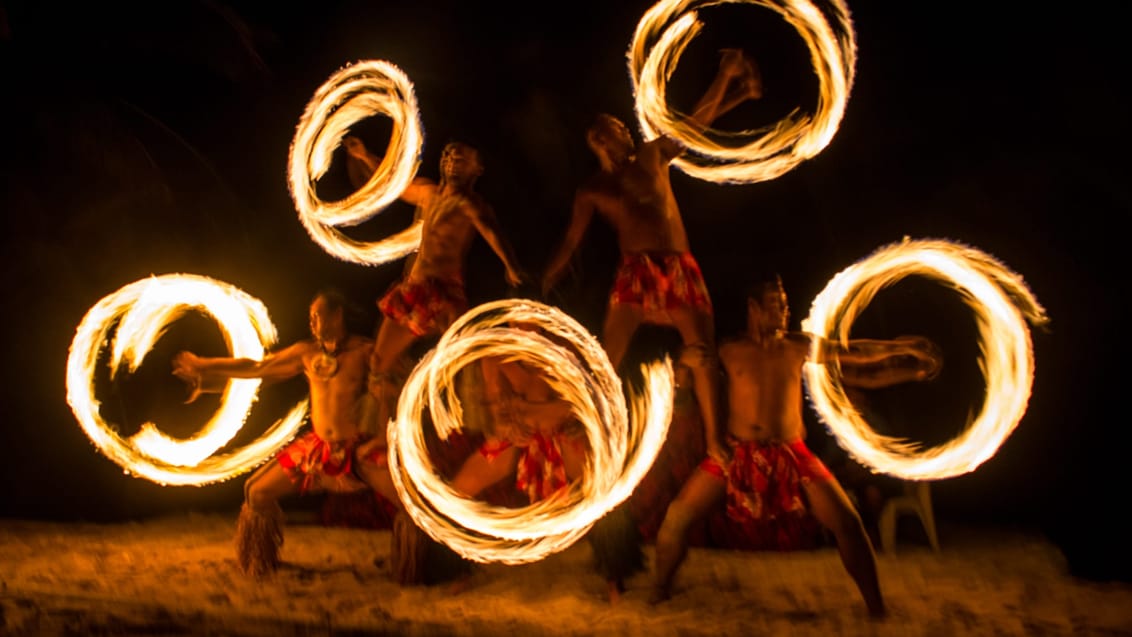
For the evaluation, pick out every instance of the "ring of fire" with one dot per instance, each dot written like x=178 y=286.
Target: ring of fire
x=667 y=28
x=358 y=91
x=142 y=311
x=623 y=444
x=1002 y=305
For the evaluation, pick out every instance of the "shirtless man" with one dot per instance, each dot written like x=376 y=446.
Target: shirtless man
x=526 y=420
x=773 y=478
x=431 y=294
x=532 y=434
x=327 y=458
x=658 y=280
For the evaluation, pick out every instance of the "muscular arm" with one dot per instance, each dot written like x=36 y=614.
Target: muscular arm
x=483 y=217
x=365 y=163
x=580 y=218
x=721 y=96
x=714 y=437
x=205 y=373
x=418 y=192
x=875 y=363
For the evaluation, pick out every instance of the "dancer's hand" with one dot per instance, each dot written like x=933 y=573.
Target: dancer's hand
x=549 y=280
x=515 y=277
x=929 y=358
x=355 y=147
x=742 y=68
x=719 y=452
x=186 y=366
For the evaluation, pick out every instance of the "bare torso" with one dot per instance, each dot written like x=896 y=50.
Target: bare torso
x=446 y=235
x=334 y=397
x=764 y=388
x=536 y=408
x=636 y=199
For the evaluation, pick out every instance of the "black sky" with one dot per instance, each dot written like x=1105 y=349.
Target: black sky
x=151 y=138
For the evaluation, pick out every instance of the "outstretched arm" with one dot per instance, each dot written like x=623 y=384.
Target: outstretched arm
x=206 y=374
x=483 y=217
x=875 y=363
x=737 y=80
x=580 y=218
x=363 y=164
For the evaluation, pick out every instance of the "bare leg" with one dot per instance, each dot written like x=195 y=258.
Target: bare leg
x=618 y=549
x=621 y=322
x=696 y=498
x=832 y=507
x=409 y=550
x=478 y=473
x=698 y=331
x=259 y=531
x=390 y=344
x=376 y=476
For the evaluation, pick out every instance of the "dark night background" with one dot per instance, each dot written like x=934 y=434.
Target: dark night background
x=152 y=138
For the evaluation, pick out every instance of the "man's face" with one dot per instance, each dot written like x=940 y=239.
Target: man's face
x=613 y=135
x=460 y=161
x=326 y=324
x=771 y=312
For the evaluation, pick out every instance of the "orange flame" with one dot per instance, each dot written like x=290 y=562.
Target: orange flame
x=142 y=311
x=372 y=87
x=1002 y=305
x=622 y=448
x=667 y=28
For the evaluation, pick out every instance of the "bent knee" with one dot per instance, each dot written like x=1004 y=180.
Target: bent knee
x=258 y=496
x=699 y=356
x=678 y=519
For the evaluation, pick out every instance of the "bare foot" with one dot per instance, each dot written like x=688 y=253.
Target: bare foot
x=462 y=583
x=658 y=596
x=616 y=587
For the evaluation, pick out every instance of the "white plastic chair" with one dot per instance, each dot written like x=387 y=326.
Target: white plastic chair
x=917 y=500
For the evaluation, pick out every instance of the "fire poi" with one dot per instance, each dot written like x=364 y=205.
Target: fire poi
x=1002 y=306
x=624 y=438
x=749 y=156
x=141 y=312
x=358 y=91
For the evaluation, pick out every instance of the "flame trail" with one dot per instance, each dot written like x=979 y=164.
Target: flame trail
x=667 y=28
x=142 y=311
x=358 y=91
x=622 y=448
x=1002 y=305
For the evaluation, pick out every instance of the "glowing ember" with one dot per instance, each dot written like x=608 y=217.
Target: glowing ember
x=362 y=90
x=142 y=311
x=667 y=28
x=622 y=448
x=1002 y=305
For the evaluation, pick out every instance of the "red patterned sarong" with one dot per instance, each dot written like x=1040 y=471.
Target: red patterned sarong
x=764 y=492
x=541 y=472
x=660 y=281
x=425 y=306
x=319 y=465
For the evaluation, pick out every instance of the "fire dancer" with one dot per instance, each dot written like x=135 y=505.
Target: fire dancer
x=328 y=457
x=532 y=434
x=658 y=280
x=431 y=293
x=774 y=485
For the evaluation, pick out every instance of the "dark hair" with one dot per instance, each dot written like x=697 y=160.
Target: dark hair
x=335 y=299
x=761 y=284
x=599 y=125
